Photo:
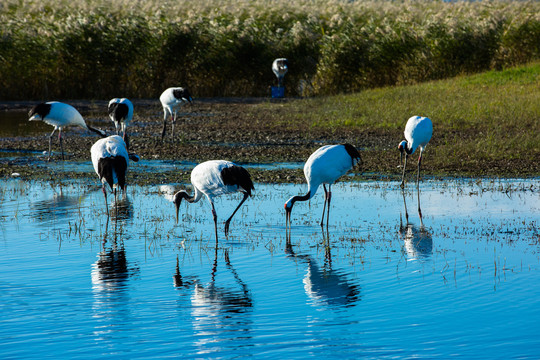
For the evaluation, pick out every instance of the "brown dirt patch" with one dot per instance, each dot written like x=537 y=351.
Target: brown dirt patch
x=236 y=129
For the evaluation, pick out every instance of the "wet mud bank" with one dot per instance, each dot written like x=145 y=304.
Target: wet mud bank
x=244 y=130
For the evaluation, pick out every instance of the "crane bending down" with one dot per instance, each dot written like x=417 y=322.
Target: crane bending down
x=59 y=115
x=121 y=113
x=171 y=100
x=110 y=158
x=280 y=67
x=324 y=166
x=417 y=133
x=214 y=178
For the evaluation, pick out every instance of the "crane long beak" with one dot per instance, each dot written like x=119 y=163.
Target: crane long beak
x=177 y=205
x=177 y=201
x=287 y=218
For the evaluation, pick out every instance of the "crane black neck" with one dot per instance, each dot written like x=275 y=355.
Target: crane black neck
x=407 y=150
x=305 y=197
x=182 y=194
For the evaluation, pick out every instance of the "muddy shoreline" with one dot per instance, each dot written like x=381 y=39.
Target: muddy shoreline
x=236 y=129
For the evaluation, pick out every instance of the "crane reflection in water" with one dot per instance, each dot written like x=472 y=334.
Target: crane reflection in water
x=218 y=308
x=325 y=285
x=122 y=209
x=110 y=274
x=417 y=239
x=58 y=207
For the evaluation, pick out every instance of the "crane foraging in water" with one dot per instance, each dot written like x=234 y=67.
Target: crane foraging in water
x=324 y=166
x=110 y=159
x=214 y=178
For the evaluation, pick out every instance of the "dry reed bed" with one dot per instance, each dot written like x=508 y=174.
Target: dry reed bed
x=99 y=49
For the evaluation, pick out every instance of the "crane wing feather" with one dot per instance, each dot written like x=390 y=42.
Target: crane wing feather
x=237 y=175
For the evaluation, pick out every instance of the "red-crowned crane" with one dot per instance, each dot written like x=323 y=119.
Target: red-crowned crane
x=110 y=158
x=171 y=100
x=121 y=113
x=280 y=67
x=59 y=115
x=214 y=178
x=325 y=166
x=418 y=132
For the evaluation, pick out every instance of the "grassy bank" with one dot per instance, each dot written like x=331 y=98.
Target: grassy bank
x=485 y=124
x=97 y=49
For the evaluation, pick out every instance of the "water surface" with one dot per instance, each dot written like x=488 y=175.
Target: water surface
x=373 y=286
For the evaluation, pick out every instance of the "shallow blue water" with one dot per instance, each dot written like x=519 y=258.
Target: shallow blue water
x=464 y=285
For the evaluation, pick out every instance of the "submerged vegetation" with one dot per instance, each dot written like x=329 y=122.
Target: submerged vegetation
x=99 y=49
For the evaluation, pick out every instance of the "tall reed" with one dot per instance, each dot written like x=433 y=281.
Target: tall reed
x=99 y=49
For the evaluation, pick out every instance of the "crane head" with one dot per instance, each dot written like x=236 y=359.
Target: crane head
x=184 y=94
x=39 y=112
x=288 y=209
x=402 y=147
x=177 y=200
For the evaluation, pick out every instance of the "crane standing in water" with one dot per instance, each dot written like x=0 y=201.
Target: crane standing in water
x=214 y=178
x=325 y=166
x=418 y=132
